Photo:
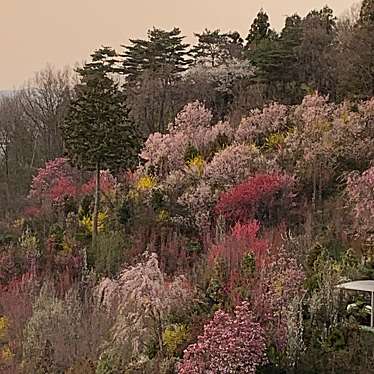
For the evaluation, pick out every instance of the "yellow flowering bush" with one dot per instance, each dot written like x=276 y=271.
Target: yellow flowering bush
x=5 y=354
x=323 y=126
x=274 y=140
x=86 y=222
x=4 y=323
x=174 y=336
x=19 y=223
x=197 y=164
x=28 y=241
x=145 y=183
x=163 y=215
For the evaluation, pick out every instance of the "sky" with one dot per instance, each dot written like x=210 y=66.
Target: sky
x=61 y=33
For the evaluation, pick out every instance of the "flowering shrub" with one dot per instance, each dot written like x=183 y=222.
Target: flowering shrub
x=174 y=336
x=232 y=165
x=16 y=306
x=107 y=183
x=259 y=125
x=230 y=344
x=29 y=242
x=360 y=189
x=191 y=128
x=141 y=299
x=192 y=117
x=209 y=140
x=56 y=181
x=279 y=281
x=239 y=254
x=327 y=141
x=196 y=164
x=3 y=327
x=164 y=153
x=314 y=109
x=197 y=204
x=264 y=197
x=86 y=222
x=61 y=331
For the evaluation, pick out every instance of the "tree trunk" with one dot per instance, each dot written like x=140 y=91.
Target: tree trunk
x=96 y=207
x=7 y=181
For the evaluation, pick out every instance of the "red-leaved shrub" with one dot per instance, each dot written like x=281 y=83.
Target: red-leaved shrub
x=265 y=197
x=237 y=257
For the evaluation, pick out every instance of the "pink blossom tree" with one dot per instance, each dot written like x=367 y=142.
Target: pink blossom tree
x=360 y=191
x=229 y=344
x=56 y=181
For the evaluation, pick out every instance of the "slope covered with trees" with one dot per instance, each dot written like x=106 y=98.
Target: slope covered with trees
x=177 y=209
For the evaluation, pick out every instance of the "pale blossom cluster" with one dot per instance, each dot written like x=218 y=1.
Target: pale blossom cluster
x=313 y=109
x=192 y=127
x=230 y=344
x=234 y=164
x=261 y=123
x=141 y=298
x=329 y=140
x=279 y=282
x=198 y=202
x=222 y=77
x=360 y=190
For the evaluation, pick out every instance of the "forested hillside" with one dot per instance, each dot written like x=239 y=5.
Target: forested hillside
x=175 y=208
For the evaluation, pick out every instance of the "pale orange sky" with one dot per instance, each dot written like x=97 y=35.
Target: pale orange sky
x=63 y=32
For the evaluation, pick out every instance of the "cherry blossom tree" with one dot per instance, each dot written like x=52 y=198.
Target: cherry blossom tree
x=229 y=344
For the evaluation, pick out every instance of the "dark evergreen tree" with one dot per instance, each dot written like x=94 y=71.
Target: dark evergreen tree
x=260 y=29
x=315 y=64
x=215 y=48
x=292 y=33
x=163 y=52
x=367 y=13
x=235 y=44
x=355 y=57
x=97 y=132
x=154 y=65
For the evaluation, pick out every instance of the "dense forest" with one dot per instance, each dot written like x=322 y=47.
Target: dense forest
x=175 y=208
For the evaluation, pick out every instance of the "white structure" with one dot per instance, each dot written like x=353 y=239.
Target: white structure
x=363 y=285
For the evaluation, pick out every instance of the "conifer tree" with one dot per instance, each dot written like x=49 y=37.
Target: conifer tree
x=215 y=48
x=367 y=13
x=260 y=28
x=163 y=51
x=97 y=132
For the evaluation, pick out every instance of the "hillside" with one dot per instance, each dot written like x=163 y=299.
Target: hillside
x=192 y=210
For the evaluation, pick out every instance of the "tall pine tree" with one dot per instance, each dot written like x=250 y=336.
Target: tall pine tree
x=163 y=51
x=97 y=132
x=215 y=48
x=260 y=29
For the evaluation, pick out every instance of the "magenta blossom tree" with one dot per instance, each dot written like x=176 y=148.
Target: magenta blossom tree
x=230 y=344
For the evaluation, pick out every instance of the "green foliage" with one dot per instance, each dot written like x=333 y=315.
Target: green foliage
x=215 y=48
x=190 y=153
x=174 y=336
x=109 y=363
x=248 y=264
x=97 y=130
x=163 y=52
x=260 y=29
x=109 y=253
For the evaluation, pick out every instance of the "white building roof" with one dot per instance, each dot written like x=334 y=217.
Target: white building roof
x=362 y=285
